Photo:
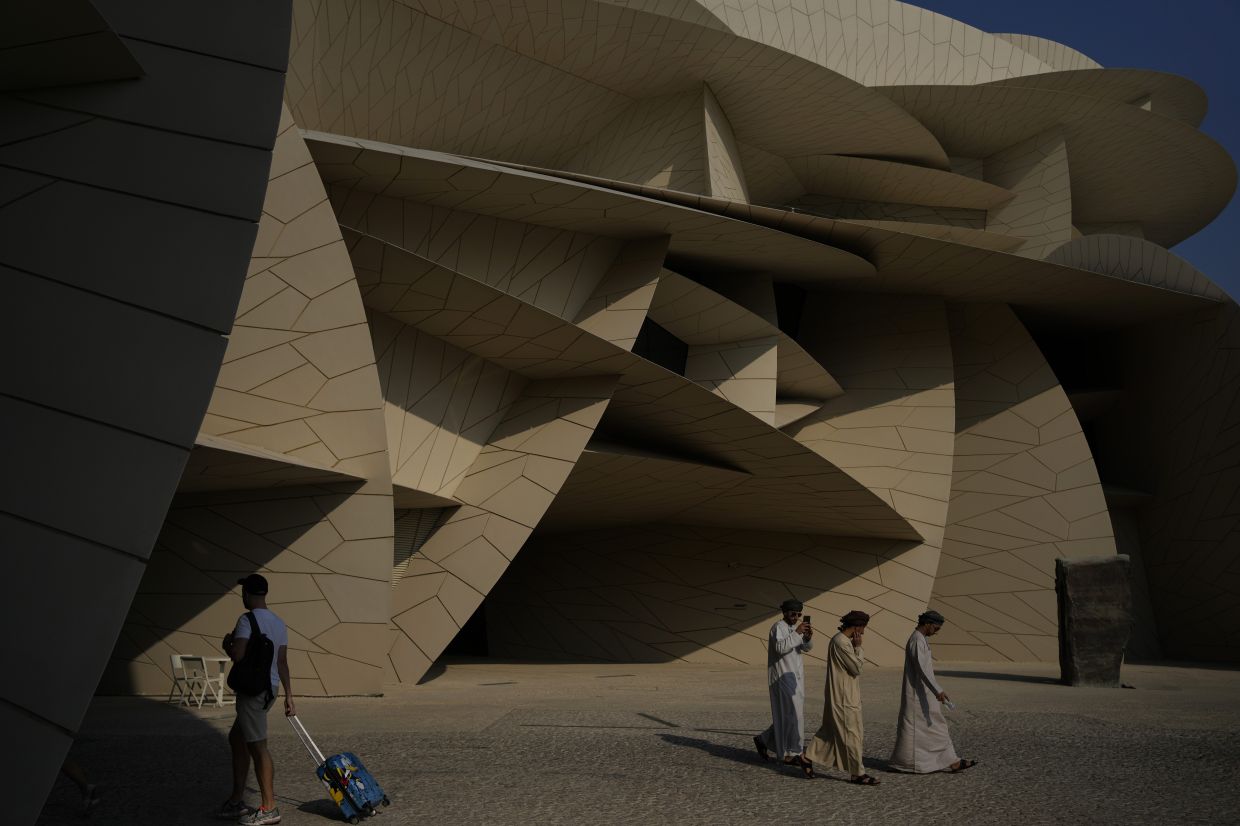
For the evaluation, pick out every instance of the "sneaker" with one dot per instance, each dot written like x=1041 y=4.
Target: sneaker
x=234 y=811
x=261 y=817
x=90 y=799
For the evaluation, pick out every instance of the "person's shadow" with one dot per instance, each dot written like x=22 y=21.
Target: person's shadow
x=723 y=752
x=713 y=749
x=880 y=763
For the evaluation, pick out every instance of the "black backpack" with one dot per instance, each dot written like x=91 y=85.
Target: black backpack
x=250 y=676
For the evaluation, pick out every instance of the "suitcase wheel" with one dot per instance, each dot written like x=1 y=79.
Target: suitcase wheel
x=355 y=820
x=386 y=802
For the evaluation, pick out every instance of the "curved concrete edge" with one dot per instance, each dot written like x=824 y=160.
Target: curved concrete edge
x=99 y=426
x=1054 y=54
x=1136 y=260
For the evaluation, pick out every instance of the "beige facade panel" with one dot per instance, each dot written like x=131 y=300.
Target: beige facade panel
x=552 y=270
x=868 y=213
x=1059 y=57
x=1135 y=259
x=882 y=42
x=919 y=264
x=430 y=178
x=743 y=372
x=298 y=378
x=478 y=318
x=891 y=430
x=502 y=498
x=816 y=495
x=660 y=593
x=297 y=403
x=217 y=464
x=326 y=552
x=1168 y=95
x=699 y=315
x=727 y=171
x=1035 y=171
x=558 y=90
x=1024 y=492
x=771 y=179
x=1128 y=164
x=870 y=179
x=775 y=98
x=441 y=405
x=534 y=112
x=659 y=141
x=648 y=399
x=621 y=299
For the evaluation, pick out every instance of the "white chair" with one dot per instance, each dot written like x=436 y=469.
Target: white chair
x=180 y=685
x=201 y=681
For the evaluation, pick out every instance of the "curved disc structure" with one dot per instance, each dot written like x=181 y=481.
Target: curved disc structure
x=594 y=330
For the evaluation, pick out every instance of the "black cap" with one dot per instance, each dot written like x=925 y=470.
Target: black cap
x=255 y=584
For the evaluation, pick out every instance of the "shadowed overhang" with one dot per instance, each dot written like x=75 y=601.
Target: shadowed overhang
x=697 y=237
x=1128 y=164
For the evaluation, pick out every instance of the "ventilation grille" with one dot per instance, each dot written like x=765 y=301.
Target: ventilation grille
x=413 y=527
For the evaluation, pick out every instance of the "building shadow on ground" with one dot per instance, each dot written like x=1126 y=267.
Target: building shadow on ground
x=1014 y=678
x=156 y=762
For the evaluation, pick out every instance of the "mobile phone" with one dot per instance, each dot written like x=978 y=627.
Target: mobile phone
x=805 y=619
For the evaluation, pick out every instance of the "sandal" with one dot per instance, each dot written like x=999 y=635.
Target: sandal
x=864 y=780
x=806 y=766
x=761 y=747
x=962 y=765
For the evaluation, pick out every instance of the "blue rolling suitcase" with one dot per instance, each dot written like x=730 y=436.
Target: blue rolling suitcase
x=348 y=783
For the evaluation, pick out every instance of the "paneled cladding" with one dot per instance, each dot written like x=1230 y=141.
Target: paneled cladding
x=626 y=320
x=134 y=152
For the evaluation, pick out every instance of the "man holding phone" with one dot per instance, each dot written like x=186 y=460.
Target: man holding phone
x=838 y=742
x=789 y=639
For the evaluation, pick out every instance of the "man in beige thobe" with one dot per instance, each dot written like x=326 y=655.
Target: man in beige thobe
x=923 y=743
x=838 y=741
x=785 y=677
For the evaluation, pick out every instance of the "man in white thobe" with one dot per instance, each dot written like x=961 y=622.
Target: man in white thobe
x=923 y=743
x=785 y=677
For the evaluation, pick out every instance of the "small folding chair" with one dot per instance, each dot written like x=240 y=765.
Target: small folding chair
x=197 y=678
x=180 y=685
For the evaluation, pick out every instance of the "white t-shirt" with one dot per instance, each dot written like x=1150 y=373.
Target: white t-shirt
x=276 y=631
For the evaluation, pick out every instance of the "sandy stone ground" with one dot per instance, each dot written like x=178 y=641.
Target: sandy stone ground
x=504 y=743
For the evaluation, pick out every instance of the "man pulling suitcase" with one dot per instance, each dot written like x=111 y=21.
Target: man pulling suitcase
x=258 y=647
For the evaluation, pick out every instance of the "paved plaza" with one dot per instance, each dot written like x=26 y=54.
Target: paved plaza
x=488 y=742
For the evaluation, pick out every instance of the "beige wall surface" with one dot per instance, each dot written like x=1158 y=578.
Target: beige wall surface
x=1025 y=491
x=503 y=496
x=658 y=593
x=326 y=553
x=892 y=428
x=299 y=384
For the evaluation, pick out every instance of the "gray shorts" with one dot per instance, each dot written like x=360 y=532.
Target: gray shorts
x=252 y=717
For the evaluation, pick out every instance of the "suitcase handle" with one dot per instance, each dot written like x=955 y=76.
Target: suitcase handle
x=307 y=741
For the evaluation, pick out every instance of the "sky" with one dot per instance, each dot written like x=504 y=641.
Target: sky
x=1199 y=39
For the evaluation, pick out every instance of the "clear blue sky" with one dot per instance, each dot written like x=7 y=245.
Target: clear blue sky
x=1199 y=39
